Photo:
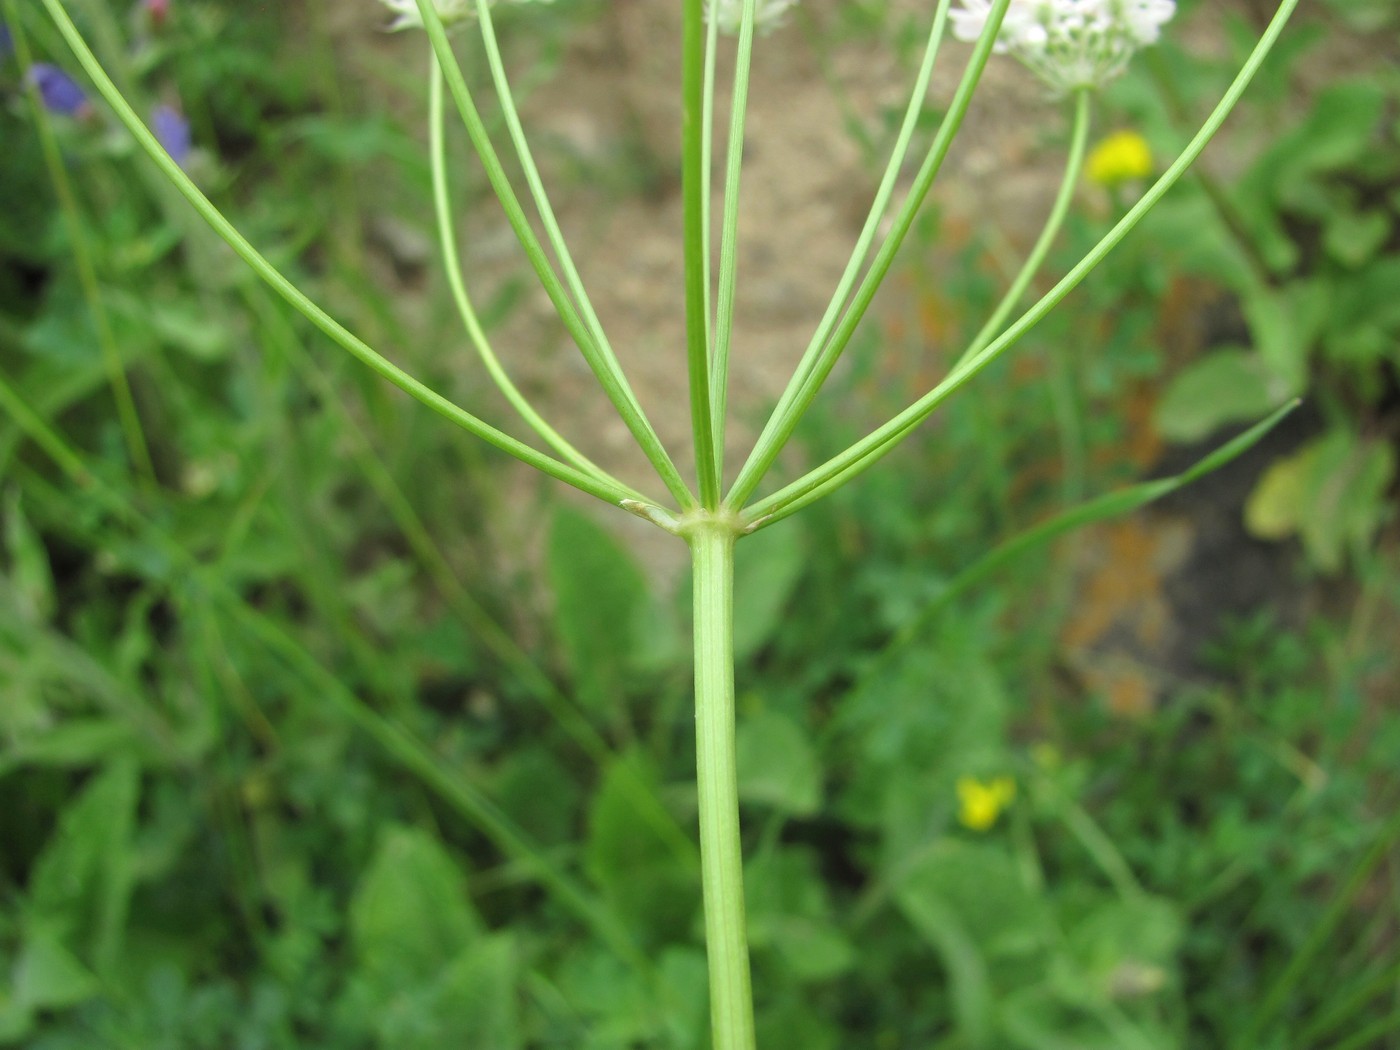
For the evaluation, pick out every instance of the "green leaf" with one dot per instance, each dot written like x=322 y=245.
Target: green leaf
x=47 y=976
x=1225 y=386
x=1285 y=323
x=71 y=743
x=654 y=892
x=540 y=794
x=478 y=993
x=980 y=885
x=82 y=880
x=31 y=578
x=1332 y=493
x=470 y=1001
x=599 y=594
x=410 y=915
x=767 y=568
x=1124 y=949
x=794 y=1023
x=1353 y=238
x=968 y=901
x=778 y=765
x=789 y=912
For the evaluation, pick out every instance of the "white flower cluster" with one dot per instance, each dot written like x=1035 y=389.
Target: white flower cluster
x=768 y=14
x=1069 y=44
x=450 y=11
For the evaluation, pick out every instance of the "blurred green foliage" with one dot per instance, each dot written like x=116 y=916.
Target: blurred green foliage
x=276 y=770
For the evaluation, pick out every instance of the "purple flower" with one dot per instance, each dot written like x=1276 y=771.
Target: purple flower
x=173 y=132
x=59 y=92
x=7 y=42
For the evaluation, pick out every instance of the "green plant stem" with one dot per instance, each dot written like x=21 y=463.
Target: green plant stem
x=1219 y=199
x=729 y=237
x=832 y=338
x=841 y=468
x=861 y=252
x=546 y=211
x=348 y=341
x=598 y=355
x=452 y=265
x=707 y=127
x=130 y=419
x=483 y=627
x=1074 y=164
x=694 y=187
x=721 y=859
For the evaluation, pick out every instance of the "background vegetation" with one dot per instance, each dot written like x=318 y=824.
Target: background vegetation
x=299 y=749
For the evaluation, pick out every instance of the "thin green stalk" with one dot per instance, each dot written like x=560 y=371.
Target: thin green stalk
x=537 y=191
x=1219 y=199
x=445 y=578
x=861 y=252
x=841 y=468
x=298 y=299
x=603 y=365
x=729 y=236
x=1074 y=164
x=694 y=185
x=453 y=267
x=721 y=857
x=831 y=337
x=707 y=144
x=130 y=419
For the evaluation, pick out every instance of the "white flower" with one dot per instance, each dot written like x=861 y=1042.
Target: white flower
x=1069 y=44
x=450 y=11
x=768 y=14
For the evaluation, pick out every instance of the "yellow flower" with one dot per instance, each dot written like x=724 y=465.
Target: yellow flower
x=980 y=803
x=1122 y=157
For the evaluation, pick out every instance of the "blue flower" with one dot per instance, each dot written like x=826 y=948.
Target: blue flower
x=173 y=132
x=59 y=92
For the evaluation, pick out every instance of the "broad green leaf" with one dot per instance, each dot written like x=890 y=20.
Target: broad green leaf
x=653 y=891
x=1123 y=949
x=1353 y=238
x=72 y=743
x=969 y=903
x=778 y=766
x=31 y=578
x=1277 y=504
x=599 y=594
x=1332 y=493
x=789 y=912
x=1285 y=324
x=82 y=880
x=540 y=794
x=47 y=976
x=767 y=568
x=1035 y=1018
x=1225 y=386
x=684 y=981
x=471 y=1003
x=980 y=885
x=796 y=1023
x=410 y=915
